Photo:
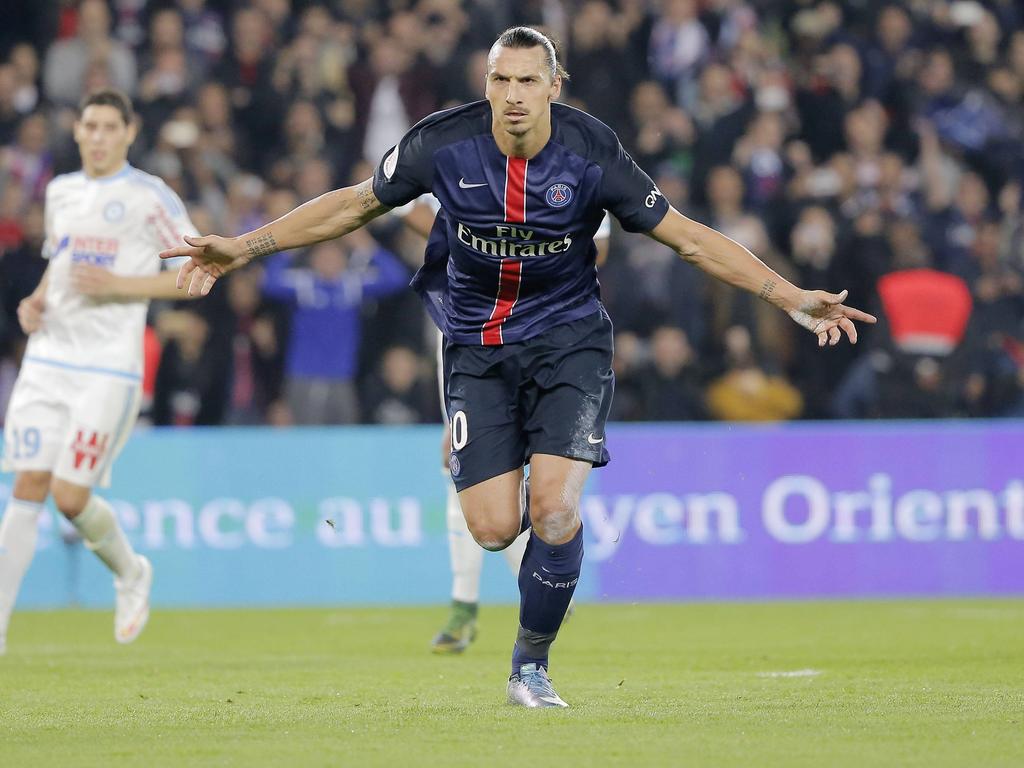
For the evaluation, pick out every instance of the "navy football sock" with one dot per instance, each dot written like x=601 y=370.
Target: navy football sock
x=547 y=579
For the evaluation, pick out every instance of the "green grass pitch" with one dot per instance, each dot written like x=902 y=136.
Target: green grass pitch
x=904 y=683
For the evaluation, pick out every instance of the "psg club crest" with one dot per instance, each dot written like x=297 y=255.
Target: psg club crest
x=454 y=465
x=559 y=195
x=114 y=211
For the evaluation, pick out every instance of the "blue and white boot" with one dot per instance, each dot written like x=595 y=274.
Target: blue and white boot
x=531 y=687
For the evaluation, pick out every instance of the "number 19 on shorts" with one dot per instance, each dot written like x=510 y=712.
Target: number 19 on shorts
x=24 y=443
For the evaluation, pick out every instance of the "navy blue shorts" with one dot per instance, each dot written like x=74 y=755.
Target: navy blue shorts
x=549 y=394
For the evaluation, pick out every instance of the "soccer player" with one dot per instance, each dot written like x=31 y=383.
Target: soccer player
x=77 y=394
x=510 y=281
x=464 y=554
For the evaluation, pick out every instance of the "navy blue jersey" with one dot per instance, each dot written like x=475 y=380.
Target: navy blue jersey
x=512 y=251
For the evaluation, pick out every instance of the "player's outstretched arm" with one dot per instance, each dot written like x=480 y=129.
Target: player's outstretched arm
x=820 y=312
x=100 y=283
x=331 y=215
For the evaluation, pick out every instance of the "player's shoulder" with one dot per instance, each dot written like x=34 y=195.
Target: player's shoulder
x=156 y=188
x=455 y=124
x=582 y=133
x=64 y=182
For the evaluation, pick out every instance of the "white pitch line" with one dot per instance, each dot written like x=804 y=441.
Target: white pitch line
x=792 y=673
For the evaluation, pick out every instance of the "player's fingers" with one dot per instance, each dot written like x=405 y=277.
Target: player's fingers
x=822 y=338
x=834 y=335
x=199 y=242
x=836 y=298
x=851 y=330
x=208 y=284
x=183 y=273
x=195 y=284
x=174 y=253
x=856 y=314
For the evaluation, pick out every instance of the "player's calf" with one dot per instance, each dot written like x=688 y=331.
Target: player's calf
x=19 y=531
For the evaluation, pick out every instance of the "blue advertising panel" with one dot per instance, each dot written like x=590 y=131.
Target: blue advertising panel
x=356 y=516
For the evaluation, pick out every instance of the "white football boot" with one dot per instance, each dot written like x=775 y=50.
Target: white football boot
x=132 y=608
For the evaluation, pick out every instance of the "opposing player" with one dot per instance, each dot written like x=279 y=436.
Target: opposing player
x=510 y=281
x=77 y=394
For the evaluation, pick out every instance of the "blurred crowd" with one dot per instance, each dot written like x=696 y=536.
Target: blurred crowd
x=869 y=145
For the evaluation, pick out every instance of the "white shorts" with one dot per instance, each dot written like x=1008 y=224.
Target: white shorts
x=70 y=422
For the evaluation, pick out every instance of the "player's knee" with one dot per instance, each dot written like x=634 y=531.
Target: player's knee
x=493 y=538
x=553 y=516
x=31 y=486
x=69 y=498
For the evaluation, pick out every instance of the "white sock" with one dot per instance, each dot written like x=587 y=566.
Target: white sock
x=103 y=535
x=514 y=552
x=19 y=531
x=467 y=557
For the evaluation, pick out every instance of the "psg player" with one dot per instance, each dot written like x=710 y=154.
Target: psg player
x=509 y=277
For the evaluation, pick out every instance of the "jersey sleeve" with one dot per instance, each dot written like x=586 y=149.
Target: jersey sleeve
x=629 y=194
x=168 y=222
x=407 y=170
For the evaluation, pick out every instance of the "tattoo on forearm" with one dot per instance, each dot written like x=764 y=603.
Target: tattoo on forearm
x=364 y=194
x=767 y=289
x=261 y=245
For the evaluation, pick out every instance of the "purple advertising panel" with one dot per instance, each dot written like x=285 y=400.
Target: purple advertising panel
x=817 y=510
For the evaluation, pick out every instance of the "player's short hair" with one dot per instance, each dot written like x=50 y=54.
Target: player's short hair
x=528 y=37
x=109 y=97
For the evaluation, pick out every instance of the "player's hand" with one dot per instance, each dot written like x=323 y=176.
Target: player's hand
x=825 y=315
x=30 y=313
x=209 y=258
x=97 y=282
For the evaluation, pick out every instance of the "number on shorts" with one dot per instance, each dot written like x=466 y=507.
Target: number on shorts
x=460 y=430
x=26 y=443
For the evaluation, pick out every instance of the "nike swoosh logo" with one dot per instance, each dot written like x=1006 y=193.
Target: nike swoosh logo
x=594 y=440
x=464 y=185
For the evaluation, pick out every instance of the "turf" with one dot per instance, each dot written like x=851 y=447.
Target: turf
x=937 y=683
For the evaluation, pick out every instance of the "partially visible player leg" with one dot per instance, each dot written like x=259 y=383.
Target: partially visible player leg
x=494 y=510
x=102 y=419
x=19 y=531
x=95 y=520
x=549 y=573
x=467 y=561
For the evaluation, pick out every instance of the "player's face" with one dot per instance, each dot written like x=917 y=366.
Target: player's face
x=520 y=89
x=103 y=138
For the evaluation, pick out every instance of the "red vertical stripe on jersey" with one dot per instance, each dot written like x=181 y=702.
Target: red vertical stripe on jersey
x=508 y=293
x=511 y=270
x=515 y=189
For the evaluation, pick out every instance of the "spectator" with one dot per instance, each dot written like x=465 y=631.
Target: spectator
x=68 y=61
x=670 y=383
x=325 y=298
x=250 y=338
x=400 y=391
x=746 y=392
x=679 y=47
x=29 y=162
x=390 y=95
x=190 y=381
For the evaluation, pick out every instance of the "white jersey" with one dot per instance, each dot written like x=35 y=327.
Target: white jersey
x=119 y=222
